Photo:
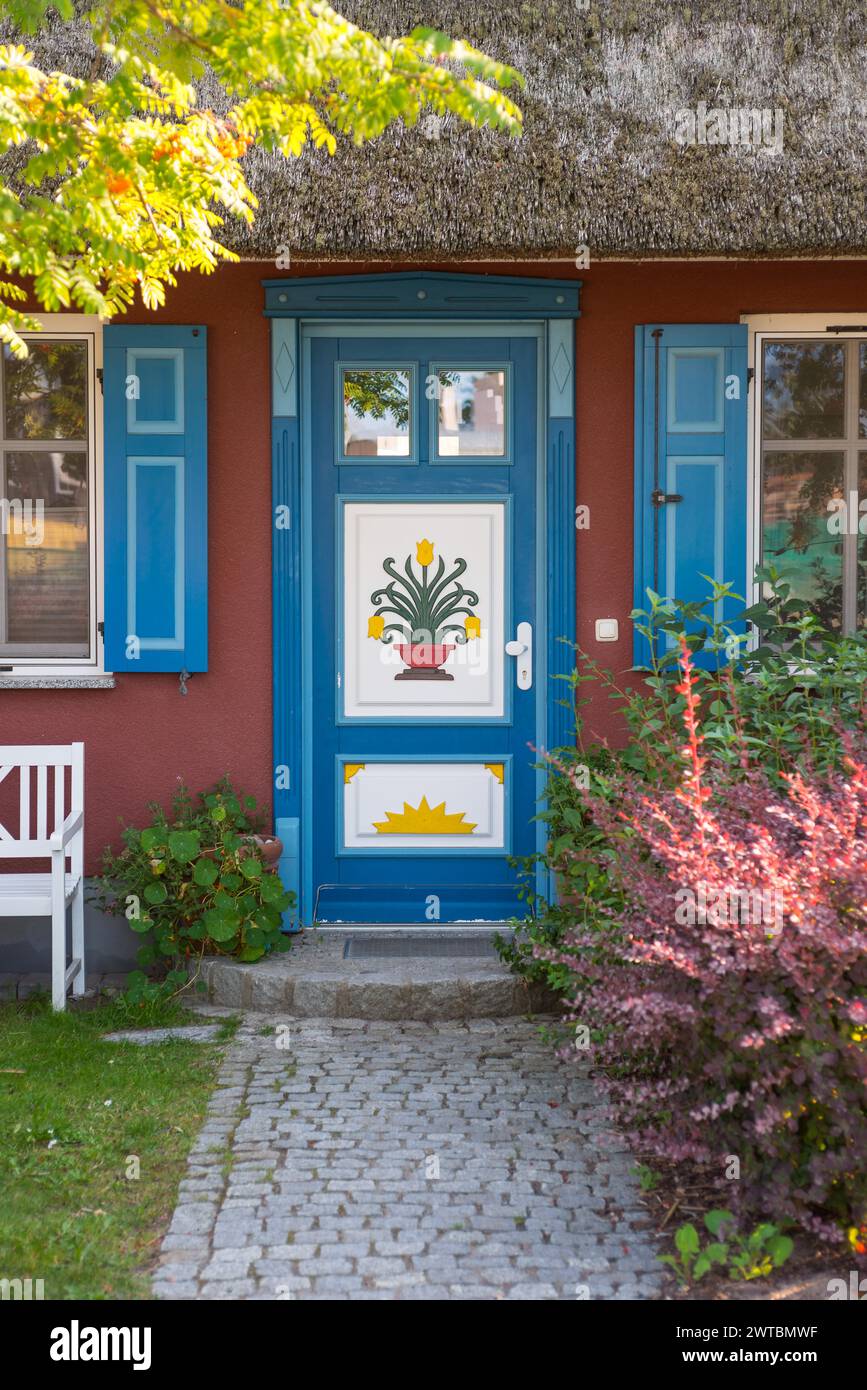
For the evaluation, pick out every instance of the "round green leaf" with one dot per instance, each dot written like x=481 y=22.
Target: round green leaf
x=184 y=845
x=271 y=888
x=205 y=872
x=156 y=893
x=220 y=926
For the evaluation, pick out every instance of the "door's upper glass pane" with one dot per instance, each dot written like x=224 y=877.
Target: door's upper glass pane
x=376 y=412
x=804 y=390
x=45 y=395
x=47 y=599
x=472 y=413
x=797 y=486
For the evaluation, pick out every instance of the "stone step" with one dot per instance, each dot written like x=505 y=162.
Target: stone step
x=315 y=980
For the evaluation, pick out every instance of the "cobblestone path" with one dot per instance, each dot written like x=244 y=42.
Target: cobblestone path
x=345 y=1159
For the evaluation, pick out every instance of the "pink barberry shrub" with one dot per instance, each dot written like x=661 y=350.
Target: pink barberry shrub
x=730 y=1025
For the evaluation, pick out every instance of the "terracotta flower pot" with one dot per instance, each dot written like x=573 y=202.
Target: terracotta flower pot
x=424 y=656
x=269 y=846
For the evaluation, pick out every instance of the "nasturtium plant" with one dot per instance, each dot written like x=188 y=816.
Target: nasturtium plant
x=195 y=882
x=125 y=175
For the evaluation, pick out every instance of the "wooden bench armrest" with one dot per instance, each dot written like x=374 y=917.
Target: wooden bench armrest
x=61 y=837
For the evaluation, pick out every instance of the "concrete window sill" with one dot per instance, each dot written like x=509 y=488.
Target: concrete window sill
x=101 y=682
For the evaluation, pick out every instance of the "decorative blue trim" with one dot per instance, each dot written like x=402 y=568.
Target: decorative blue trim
x=559 y=507
x=284 y=368
x=289 y=868
x=173 y=425
x=172 y=640
x=342 y=460
x=640 y=519
x=287 y=617
x=477 y=460
x=713 y=425
x=560 y=576
x=674 y=484
x=561 y=369
x=426 y=852
x=421 y=295
x=410 y=328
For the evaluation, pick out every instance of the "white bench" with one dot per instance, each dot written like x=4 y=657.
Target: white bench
x=61 y=807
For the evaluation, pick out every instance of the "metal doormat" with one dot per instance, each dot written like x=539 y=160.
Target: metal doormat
x=416 y=947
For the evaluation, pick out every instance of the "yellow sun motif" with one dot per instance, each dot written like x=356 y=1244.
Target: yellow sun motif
x=424 y=553
x=424 y=820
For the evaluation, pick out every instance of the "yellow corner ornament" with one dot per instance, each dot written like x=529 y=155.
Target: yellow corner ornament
x=424 y=553
x=375 y=626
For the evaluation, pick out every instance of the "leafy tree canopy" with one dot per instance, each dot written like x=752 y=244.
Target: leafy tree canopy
x=126 y=174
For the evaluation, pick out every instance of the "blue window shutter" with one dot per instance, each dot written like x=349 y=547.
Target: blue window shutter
x=156 y=504
x=691 y=406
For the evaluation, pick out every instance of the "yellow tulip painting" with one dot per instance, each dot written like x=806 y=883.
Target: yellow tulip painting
x=424 y=553
x=375 y=626
x=473 y=626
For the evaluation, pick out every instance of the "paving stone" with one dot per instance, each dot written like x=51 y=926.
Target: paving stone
x=456 y=1160
x=144 y=1036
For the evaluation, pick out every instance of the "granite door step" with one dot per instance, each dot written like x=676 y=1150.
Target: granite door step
x=326 y=975
x=418 y=947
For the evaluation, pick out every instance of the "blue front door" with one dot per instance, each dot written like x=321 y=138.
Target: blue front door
x=423 y=627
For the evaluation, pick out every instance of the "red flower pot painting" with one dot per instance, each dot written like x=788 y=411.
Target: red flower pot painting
x=424 y=660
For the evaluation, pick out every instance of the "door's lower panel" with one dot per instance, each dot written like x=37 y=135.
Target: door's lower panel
x=426 y=806
x=435 y=904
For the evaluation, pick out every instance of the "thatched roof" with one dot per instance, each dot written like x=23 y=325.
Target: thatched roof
x=598 y=161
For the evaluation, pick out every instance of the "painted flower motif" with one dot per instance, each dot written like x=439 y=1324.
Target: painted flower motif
x=375 y=626
x=473 y=626
x=424 y=553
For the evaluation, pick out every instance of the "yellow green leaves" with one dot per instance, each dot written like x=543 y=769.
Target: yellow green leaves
x=130 y=177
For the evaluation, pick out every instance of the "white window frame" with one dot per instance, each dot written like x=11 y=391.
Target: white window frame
x=43 y=668
x=776 y=326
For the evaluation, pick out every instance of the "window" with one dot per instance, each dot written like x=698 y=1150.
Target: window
x=471 y=417
x=813 y=477
x=377 y=413
x=47 y=508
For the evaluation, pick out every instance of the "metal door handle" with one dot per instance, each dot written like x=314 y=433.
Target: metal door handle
x=522 y=648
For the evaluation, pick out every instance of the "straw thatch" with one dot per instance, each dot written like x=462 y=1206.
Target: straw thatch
x=598 y=162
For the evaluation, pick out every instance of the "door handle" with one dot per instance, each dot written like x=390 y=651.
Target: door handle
x=522 y=648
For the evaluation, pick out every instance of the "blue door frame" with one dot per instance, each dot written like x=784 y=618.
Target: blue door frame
x=376 y=306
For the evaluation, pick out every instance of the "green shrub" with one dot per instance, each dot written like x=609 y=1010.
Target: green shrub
x=195 y=883
x=792 y=698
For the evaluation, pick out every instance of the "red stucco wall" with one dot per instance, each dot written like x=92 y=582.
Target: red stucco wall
x=142 y=736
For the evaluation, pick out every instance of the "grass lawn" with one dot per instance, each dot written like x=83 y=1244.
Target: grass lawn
x=74 y=1111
